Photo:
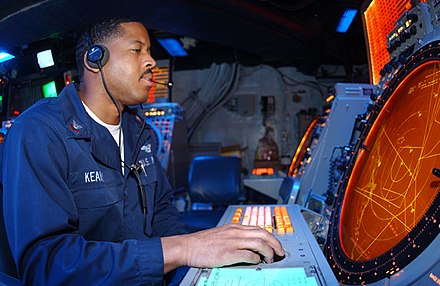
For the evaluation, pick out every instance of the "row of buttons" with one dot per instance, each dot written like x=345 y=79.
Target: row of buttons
x=263 y=217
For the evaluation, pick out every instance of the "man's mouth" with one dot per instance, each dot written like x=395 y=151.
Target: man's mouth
x=147 y=77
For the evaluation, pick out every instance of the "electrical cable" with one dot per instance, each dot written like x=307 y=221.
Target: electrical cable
x=135 y=167
x=205 y=95
x=225 y=95
x=219 y=100
x=202 y=97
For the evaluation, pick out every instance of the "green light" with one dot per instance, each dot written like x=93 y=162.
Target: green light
x=49 y=89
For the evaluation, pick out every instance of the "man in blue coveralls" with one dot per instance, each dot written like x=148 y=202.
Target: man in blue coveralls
x=85 y=199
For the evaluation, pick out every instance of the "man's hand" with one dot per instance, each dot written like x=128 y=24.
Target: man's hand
x=223 y=245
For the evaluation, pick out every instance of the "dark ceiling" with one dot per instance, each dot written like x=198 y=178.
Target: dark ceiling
x=277 y=32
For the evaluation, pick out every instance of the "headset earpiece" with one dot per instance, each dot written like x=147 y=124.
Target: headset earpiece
x=97 y=54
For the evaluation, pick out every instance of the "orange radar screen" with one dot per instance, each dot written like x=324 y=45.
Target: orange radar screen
x=390 y=207
x=392 y=185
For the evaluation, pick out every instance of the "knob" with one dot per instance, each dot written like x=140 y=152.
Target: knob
x=394 y=63
x=412 y=17
x=436 y=172
x=388 y=68
x=402 y=58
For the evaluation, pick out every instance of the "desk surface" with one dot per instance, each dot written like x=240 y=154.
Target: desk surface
x=268 y=186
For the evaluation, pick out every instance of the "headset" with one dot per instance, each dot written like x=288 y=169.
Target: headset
x=97 y=55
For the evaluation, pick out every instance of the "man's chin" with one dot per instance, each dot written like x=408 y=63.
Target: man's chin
x=139 y=100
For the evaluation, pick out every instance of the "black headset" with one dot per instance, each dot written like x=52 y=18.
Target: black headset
x=97 y=55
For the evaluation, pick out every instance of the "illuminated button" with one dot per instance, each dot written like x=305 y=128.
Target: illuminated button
x=253 y=221
x=247 y=216
x=265 y=217
x=254 y=216
x=237 y=215
x=286 y=220
x=268 y=219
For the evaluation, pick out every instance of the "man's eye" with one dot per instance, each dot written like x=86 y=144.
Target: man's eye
x=136 y=50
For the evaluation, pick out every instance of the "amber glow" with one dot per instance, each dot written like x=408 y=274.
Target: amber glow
x=391 y=185
x=380 y=18
x=329 y=98
x=302 y=149
x=160 y=74
x=263 y=171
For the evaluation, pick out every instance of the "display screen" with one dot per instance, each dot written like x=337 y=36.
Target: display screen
x=392 y=185
x=45 y=59
x=49 y=89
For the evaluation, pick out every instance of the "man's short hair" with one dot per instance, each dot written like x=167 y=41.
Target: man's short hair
x=99 y=33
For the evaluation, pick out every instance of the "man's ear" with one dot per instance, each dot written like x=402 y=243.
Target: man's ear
x=87 y=66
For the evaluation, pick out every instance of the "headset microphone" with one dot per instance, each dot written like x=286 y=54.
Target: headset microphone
x=169 y=84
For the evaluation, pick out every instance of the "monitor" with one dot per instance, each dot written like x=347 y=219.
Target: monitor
x=49 y=89
x=45 y=59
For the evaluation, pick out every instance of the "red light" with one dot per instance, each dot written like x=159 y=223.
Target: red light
x=67 y=79
x=2 y=82
x=16 y=112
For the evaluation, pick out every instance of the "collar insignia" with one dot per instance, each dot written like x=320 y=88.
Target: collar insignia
x=75 y=126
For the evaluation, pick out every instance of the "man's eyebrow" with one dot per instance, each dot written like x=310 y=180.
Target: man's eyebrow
x=137 y=42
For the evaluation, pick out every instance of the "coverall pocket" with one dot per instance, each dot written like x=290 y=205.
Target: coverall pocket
x=94 y=189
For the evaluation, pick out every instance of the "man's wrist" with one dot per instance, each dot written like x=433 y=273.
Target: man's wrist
x=174 y=252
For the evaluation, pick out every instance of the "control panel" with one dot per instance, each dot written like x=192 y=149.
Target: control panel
x=351 y=100
x=303 y=264
x=435 y=12
x=414 y=29
x=410 y=29
x=162 y=117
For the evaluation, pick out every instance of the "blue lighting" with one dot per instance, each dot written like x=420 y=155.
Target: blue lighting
x=173 y=47
x=5 y=57
x=346 y=20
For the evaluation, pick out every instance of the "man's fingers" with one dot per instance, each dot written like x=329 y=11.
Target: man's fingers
x=247 y=256
x=267 y=238
x=261 y=247
x=230 y=244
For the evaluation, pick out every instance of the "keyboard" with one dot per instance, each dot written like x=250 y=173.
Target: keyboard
x=270 y=218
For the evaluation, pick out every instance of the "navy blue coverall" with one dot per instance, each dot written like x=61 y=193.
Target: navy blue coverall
x=72 y=217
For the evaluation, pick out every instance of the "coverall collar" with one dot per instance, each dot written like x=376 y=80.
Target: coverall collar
x=80 y=125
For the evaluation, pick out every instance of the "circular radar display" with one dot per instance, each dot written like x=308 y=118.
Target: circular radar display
x=387 y=210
